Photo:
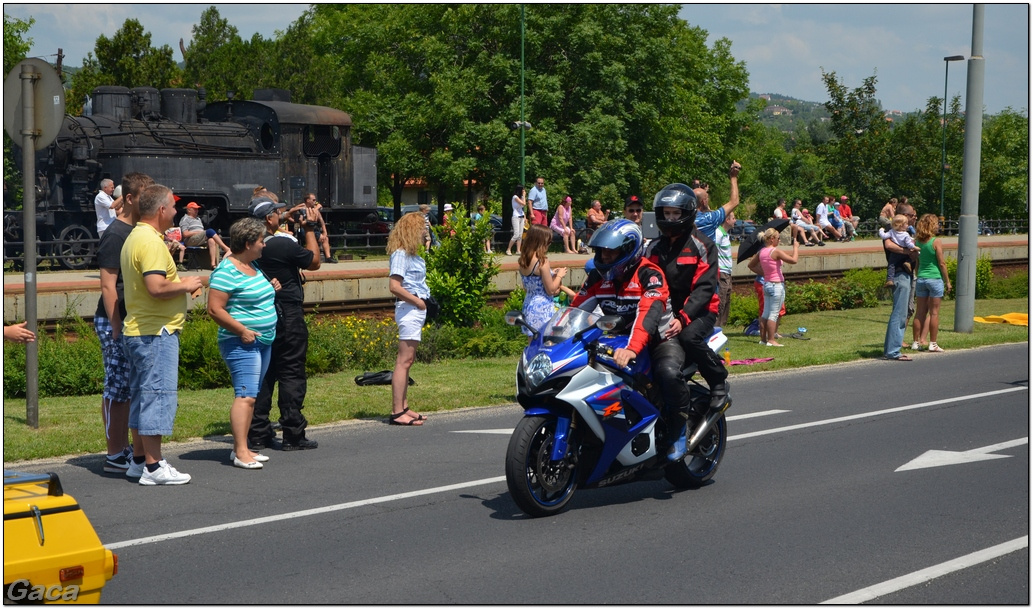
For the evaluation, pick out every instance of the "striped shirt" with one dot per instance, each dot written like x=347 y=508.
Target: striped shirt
x=724 y=250
x=251 y=300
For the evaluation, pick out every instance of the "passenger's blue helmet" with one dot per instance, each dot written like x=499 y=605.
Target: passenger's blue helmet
x=622 y=235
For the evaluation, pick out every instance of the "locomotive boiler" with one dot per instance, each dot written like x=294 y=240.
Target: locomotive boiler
x=213 y=153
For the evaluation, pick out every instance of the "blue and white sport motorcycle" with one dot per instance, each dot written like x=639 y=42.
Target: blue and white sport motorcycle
x=589 y=423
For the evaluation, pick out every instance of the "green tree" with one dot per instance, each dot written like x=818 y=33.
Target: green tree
x=857 y=153
x=126 y=59
x=1004 y=171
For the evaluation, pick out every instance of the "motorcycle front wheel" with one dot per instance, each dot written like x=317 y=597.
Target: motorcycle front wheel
x=538 y=486
x=700 y=465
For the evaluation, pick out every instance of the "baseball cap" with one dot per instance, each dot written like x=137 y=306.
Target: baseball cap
x=630 y=200
x=192 y=205
x=263 y=206
x=844 y=198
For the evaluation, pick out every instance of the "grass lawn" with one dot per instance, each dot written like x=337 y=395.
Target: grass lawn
x=72 y=425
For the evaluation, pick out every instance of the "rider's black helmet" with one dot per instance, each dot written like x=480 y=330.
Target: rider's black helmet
x=678 y=196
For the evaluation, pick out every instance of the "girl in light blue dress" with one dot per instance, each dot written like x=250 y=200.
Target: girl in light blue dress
x=540 y=282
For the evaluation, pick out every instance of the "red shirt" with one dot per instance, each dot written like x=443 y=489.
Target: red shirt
x=844 y=210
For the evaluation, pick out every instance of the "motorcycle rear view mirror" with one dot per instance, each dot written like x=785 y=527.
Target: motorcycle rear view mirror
x=608 y=323
x=516 y=318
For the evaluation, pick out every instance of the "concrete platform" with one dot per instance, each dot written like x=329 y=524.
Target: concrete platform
x=63 y=293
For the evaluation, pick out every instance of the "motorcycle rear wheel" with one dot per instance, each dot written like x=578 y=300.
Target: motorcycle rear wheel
x=538 y=487
x=700 y=465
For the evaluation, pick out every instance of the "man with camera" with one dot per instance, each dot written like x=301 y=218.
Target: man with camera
x=283 y=259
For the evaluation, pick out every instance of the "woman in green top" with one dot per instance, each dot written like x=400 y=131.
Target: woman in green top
x=242 y=301
x=930 y=283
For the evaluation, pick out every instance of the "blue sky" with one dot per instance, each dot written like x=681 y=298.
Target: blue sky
x=784 y=46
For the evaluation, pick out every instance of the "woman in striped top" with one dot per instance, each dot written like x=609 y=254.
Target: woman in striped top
x=241 y=301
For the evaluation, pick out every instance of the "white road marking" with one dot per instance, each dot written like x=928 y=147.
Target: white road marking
x=451 y=487
x=279 y=517
x=936 y=458
x=763 y=413
x=865 y=415
x=918 y=577
x=500 y=432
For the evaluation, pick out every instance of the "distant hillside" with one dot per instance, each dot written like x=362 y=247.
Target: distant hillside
x=785 y=112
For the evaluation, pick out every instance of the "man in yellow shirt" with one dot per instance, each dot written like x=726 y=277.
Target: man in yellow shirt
x=155 y=314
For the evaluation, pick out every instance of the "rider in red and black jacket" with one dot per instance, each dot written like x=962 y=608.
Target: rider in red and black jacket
x=624 y=283
x=689 y=261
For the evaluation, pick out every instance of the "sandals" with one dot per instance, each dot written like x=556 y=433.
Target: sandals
x=900 y=358
x=417 y=421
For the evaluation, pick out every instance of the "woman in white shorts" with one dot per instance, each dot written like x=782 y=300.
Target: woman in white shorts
x=408 y=283
x=518 y=220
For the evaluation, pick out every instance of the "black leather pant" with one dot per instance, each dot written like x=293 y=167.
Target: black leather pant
x=286 y=366
x=669 y=358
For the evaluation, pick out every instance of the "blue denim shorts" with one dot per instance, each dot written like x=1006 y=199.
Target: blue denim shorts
x=116 y=366
x=774 y=296
x=153 y=381
x=247 y=363
x=926 y=288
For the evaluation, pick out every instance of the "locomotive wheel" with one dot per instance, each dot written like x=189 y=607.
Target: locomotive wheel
x=76 y=248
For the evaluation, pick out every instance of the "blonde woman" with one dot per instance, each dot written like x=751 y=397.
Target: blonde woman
x=540 y=282
x=408 y=283
x=768 y=262
x=931 y=283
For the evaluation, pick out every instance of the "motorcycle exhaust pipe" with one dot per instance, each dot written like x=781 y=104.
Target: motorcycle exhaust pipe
x=704 y=427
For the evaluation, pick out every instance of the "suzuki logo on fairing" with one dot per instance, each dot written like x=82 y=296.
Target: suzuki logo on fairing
x=621 y=476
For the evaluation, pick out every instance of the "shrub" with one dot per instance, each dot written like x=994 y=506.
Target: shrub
x=336 y=343
x=200 y=363
x=459 y=271
x=1016 y=286
x=984 y=276
x=741 y=311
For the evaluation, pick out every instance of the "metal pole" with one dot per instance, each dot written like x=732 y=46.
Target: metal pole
x=29 y=76
x=522 y=123
x=968 y=221
x=943 y=158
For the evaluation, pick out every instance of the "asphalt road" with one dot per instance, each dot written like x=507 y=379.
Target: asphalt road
x=808 y=506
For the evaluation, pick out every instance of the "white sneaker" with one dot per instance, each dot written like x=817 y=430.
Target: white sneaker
x=914 y=346
x=165 y=474
x=135 y=469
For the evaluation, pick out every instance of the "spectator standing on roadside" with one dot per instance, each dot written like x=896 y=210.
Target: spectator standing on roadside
x=902 y=290
x=707 y=221
x=563 y=225
x=107 y=323
x=196 y=235
x=724 y=268
x=155 y=315
x=768 y=262
x=407 y=281
x=519 y=206
x=932 y=282
x=539 y=202
x=241 y=301
x=283 y=259
x=106 y=205
x=540 y=282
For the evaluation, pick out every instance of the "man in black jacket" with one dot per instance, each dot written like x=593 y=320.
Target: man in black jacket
x=283 y=258
x=688 y=259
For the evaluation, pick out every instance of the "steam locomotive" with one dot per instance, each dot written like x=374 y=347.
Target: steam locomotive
x=213 y=153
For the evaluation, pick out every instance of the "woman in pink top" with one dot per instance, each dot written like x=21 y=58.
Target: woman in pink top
x=768 y=262
x=563 y=225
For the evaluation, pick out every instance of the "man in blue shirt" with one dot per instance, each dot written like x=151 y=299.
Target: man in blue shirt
x=707 y=221
x=539 y=203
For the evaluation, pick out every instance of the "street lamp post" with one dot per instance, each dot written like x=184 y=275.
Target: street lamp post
x=943 y=157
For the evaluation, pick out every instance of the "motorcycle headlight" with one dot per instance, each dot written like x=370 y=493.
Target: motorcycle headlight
x=538 y=370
